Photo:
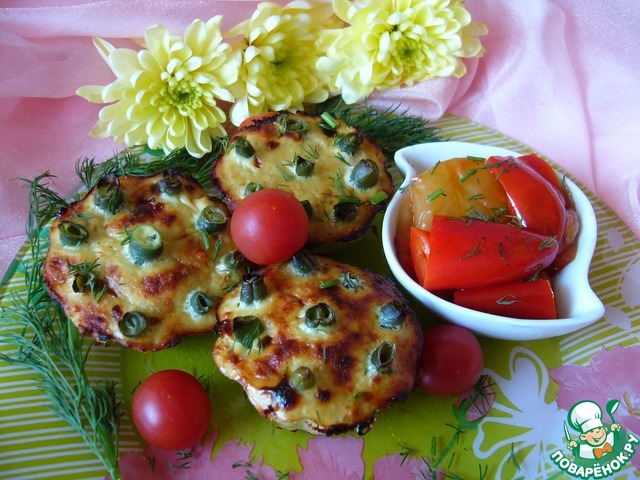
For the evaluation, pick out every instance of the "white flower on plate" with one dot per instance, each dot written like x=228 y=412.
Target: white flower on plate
x=524 y=423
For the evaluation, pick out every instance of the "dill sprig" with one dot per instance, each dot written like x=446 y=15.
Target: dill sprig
x=392 y=129
x=138 y=162
x=46 y=342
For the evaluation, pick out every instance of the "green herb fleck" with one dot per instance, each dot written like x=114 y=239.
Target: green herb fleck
x=435 y=195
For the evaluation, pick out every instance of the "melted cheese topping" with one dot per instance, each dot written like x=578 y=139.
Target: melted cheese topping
x=348 y=388
x=160 y=288
x=273 y=165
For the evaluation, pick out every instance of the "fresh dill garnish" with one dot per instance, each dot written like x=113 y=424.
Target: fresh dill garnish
x=340 y=157
x=286 y=176
x=507 y=299
x=392 y=129
x=547 y=243
x=513 y=458
x=86 y=277
x=311 y=152
x=183 y=462
x=405 y=452
x=45 y=340
x=477 y=248
x=357 y=396
x=216 y=248
x=133 y=162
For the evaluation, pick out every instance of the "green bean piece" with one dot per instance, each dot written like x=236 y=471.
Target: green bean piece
x=170 y=182
x=304 y=262
x=286 y=124
x=345 y=211
x=304 y=167
x=308 y=208
x=212 y=219
x=350 y=281
x=251 y=187
x=350 y=142
x=133 y=324
x=328 y=122
x=244 y=147
x=200 y=303
x=253 y=288
x=365 y=174
x=145 y=243
x=382 y=357
x=393 y=314
x=320 y=315
x=80 y=282
x=72 y=234
x=233 y=261
x=302 y=379
x=247 y=329
x=108 y=194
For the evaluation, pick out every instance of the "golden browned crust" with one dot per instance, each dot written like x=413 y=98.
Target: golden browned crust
x=273 y=166
x=159 y=288
x=348 y=390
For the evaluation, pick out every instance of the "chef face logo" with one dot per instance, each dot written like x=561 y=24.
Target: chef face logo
x=598 y=447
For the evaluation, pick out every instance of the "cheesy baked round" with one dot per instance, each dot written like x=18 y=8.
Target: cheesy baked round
x=142 y=260
x=318 y=345
x=337 y=172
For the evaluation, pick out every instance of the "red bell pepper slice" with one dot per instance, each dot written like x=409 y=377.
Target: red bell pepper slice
x=473 y=253
x=543 y=168
x=530 y=300
x=536 y=203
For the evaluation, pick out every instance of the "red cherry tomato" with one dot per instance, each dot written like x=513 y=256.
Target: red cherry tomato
x=463 y=254
x=452 y=361
x=171 y=410
x=269 y=226
x=524 y=299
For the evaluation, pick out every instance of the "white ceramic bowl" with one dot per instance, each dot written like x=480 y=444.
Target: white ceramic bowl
x=577 y=304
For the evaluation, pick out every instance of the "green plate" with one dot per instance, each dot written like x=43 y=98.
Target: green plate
x=515 y=438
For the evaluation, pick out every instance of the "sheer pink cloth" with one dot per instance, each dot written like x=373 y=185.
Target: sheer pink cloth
x=558 y=75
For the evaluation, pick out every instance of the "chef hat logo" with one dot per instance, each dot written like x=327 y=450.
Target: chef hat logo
x=585 y=416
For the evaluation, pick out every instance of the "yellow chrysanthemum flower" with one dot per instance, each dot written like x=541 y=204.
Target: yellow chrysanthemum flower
x=166 y=95
x=279 y=53
x=389 y=43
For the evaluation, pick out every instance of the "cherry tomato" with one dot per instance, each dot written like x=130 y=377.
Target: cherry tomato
x=452 y=360
x=171 y=410
x=475 y=253
x=269 y=226
x=524 y=299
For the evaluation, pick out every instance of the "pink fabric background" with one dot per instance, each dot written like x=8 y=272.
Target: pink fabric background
x=558 y=75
